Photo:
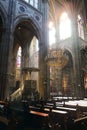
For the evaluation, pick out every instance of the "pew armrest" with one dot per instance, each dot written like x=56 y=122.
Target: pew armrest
x=80 y=119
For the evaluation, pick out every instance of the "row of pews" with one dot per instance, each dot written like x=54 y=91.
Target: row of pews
x=46 y=115
x=69 y=115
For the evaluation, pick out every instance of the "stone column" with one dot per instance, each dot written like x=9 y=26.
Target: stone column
x=5 y=70
x=6 y=53
x=41 y=73
x=44 y=83
x=77 y=57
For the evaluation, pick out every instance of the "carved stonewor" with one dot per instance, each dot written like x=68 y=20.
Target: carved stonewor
x=29 y=89
x=58 y=60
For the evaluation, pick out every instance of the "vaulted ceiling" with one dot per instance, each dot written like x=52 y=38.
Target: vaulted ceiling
x=24 y=33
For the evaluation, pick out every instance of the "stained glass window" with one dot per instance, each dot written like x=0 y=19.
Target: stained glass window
x=33 y=3
x=80 y=27
x=19 y=58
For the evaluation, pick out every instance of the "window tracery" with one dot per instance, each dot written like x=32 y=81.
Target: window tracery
x=33 y=2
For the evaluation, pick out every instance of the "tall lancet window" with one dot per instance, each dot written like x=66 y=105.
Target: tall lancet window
x=51 y=34
x=64 y=26
x=27 y=0
x=80 y=27
x=19 y=58
x=33 y=3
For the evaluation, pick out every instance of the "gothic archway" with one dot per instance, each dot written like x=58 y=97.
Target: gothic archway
x=84 y=69
x=68 y=79
x=25 y=37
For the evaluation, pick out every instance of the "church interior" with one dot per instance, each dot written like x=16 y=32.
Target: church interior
x=43 y=64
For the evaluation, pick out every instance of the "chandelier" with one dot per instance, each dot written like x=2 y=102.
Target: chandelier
x=56 y=58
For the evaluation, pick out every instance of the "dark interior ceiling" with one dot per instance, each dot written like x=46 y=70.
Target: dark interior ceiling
x=24 y=32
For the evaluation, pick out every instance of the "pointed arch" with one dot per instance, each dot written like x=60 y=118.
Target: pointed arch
x=33 y=23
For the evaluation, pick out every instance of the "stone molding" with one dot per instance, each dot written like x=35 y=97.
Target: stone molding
x=22 y=9
x=5 y=4
x=26 y=10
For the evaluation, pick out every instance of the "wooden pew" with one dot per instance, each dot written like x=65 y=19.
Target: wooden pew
x=34 y=108
x=82 y=110
x=38 y=120
x=45 y=120
x=66 y=108
x=57 y=117
x=61 y=118
x=72 y=112
x=4 y=120
x=72 y=115
x=80 y=123
x=80 y=119
x=54 y=122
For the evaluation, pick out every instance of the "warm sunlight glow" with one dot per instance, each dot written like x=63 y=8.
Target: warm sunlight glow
x=51 y=33
x=64 y=29
x=64 y=16
x=50 y=25
x=79 y=17
x=65 y=26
